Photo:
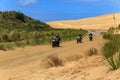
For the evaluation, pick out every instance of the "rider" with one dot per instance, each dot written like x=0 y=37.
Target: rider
x=90 y=36
x=53 y=41
x=80 y=35
x=79 y=38
x=57 y=39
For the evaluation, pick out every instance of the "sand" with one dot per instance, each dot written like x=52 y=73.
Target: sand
x=29 y=63
x=103 y=22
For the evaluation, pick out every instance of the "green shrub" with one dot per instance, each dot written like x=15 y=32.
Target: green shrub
x=5 y=38
x=19 y=44
x=111 y=51
x=36 y=37
x=14 y=36
x=114 y=61
x=2 y=47
x=20 y=16
x=109 y=34
x=112 y=46
x=9 y=46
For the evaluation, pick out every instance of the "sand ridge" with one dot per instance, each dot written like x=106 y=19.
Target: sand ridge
x=103 y=22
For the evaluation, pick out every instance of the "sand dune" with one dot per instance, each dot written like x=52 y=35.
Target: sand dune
x=28 y=63
x=103 y=22
x=86 y=68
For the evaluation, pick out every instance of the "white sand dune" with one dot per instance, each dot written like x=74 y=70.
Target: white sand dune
x=103 y=22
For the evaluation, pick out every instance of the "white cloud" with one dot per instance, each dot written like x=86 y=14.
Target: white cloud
x=26 y=2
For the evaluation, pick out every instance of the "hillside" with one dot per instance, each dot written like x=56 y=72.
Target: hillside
x=19 y=30
x=18 y=19
x=103 y=22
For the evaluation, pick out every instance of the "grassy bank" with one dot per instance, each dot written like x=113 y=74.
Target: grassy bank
x=10 y=39
x=19 y=30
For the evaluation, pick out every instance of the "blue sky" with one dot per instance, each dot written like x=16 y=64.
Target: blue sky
x=52 y=10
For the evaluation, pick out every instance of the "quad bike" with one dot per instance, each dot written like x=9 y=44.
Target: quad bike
x=90 y=38
x=79 y=40
x=53 y=44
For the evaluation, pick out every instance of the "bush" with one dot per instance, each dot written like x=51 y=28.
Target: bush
x=20 y=16
x=5 y=38
x=114 y=61
x=111 y=51
x=9 y=46
x=14 y=36
x=2 y=47
x=33 y=37
x=111 y=47
x=54 y=60
x=109 y=34
x=19 y=44
x=92 y=51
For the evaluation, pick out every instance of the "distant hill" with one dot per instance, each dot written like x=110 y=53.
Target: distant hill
x=103 y=22
x=18 y=19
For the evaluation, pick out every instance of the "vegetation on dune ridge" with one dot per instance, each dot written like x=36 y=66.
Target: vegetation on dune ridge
x=17 y=29
x=13 y=19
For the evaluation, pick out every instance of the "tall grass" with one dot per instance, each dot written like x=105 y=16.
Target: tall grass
x=92 y=51
x=2 y=47
x=111 y=51
x=20 y=37
x=54 y=60
x=114 y=61
x=109 y=34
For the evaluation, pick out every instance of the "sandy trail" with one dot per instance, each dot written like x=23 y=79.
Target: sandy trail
x=24 y=61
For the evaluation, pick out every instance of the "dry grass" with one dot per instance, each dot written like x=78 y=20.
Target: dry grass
x=92 y=51
x=54 y=60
